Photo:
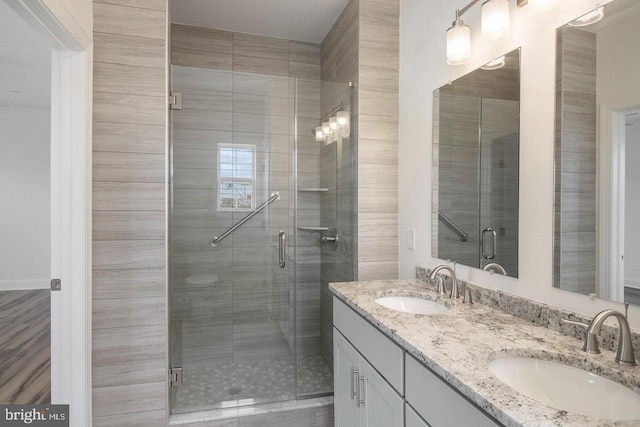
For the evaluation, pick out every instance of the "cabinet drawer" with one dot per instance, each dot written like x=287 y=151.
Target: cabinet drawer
x=380 y=351
x=434 y=399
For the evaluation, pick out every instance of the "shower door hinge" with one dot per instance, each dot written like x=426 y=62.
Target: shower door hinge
x=175 y=101
x=175 y=377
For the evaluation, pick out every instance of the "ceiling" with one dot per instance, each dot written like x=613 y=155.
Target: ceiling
x=303 y=20
x=25 y=63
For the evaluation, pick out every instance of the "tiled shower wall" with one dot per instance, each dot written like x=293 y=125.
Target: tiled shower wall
x=575 y=176
x=129 y=213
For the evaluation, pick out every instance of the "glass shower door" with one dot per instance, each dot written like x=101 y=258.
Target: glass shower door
x=499 y=157
x=232 y=306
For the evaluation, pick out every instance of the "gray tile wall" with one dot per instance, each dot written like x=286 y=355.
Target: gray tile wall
x=575 y=152
x=129 y=204
x=377 y=136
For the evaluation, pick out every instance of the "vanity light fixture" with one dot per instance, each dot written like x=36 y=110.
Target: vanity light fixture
x=342 y=118
x=495 y=19
x=540 y=7
x=495 y=25
x=326 y=128
x=333 y=126
x=589 y=18
x=458 y=42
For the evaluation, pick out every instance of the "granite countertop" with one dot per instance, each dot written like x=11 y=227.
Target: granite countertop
x=458 y=344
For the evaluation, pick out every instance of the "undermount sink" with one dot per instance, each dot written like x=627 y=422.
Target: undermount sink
x=567 y=388
x=413 y=305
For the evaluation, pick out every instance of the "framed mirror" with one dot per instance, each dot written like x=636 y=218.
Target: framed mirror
x=476 y=127
x=597 y=153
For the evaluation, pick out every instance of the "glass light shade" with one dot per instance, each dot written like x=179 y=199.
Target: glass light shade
x=458 y=43
x=333 y=124
x=342 y=117
x=495 y=19
x=542 y=7
x=588 y=18
x=319 y=134
x=326 y=128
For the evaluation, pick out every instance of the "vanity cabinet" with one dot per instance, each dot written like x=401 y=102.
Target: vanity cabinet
x=397 y=390
x=369 y=380
x=363 y=397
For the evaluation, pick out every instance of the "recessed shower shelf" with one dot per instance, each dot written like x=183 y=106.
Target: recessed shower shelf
x=313 y=228
x=312 y=190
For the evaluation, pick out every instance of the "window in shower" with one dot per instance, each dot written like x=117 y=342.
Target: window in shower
x=236 y=177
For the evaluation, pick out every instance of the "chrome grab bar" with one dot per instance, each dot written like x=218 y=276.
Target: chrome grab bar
x=282 y=242
x=217 y=239
x=493 y=249
x=463 y=236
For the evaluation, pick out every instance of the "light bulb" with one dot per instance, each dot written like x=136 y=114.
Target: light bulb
x=342 y=117
x=495 y=19
x=326 y=128
x=319 y=134
x=333 y=124
x=542 y=7
x=458 y=43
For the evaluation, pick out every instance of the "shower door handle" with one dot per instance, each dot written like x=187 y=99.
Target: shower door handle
x=282 y=239
x=493 y=248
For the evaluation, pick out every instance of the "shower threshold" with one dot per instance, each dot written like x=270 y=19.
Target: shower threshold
x=246 y=411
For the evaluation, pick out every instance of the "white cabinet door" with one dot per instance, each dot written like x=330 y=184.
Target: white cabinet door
x=413 y=419
x=382 y=406
x=345 y=365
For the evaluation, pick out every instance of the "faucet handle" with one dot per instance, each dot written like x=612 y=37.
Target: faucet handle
x=467 y=299
x=439 y=282
x=591 y=341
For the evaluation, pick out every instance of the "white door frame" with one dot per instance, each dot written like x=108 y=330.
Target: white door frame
x=611 y=199
x=71 y=106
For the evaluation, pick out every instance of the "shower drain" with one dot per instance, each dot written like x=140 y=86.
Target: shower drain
x=235 y=390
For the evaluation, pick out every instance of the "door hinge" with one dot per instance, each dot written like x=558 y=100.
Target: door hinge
x=175 y=377
x=175 y=101
x=56 y=285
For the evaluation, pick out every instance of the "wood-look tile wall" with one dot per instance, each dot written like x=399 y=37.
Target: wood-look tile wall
x=575 y=151
x=378 y=80
x=129 y=213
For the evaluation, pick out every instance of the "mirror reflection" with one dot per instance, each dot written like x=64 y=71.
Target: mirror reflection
x=475 y=170
x=597 y=153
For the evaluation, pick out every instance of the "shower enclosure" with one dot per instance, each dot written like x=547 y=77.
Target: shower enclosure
x=250 y=312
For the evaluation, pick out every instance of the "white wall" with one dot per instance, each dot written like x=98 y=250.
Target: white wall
x=423 y=24
x=632 y=206
x=25 y=204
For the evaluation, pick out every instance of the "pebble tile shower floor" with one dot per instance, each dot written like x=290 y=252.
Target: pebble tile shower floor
x=207 y=386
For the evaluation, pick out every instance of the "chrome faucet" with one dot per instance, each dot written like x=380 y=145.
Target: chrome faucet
x=625 y=354
x=454 y=281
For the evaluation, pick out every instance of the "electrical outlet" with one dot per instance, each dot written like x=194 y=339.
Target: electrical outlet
x=411 y=238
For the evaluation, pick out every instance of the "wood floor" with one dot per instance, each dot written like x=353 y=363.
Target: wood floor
x=25 y=347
